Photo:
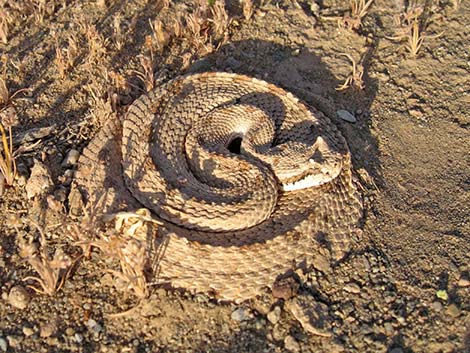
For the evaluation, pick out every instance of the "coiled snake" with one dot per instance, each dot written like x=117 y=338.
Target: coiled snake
x=248 y=181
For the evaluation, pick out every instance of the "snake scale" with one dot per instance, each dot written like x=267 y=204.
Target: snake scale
x=248 y=182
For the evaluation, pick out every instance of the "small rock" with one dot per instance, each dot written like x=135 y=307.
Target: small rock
x=18 y=297
x=321 y=263
x=28 y=331
x=274 y=315
x=312 y=315
x=69 y=331
x=40 y=181
x=437 y=306
x=3 y=344
x=346 y=116
x=416 y=113
x=291 y=344
x=388 y=329
x=242 y=314
x=285 y=288
x=463 y=282
x=47 y=329
x=67 y=177
x=78 y=338
x=279 y=332
x=14 y=341
x=91 y=323
x=60 y=194
x=442 y=294
x=352 y=288
x=453 y=310
x=71 y=158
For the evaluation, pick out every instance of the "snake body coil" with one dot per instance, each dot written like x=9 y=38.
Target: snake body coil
x=249 y=182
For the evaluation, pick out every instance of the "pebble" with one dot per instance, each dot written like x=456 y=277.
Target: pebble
x=47 y=329
x=388 y=329
x=71 y=158
x=437 y=306
x=78 y=338
x=242 y=314
x=69 y=331
x=346 y=116
x=442 y=294
x=274 y=315
x=3 y=344
x=40 y=181
x=285 y=288
x=352 y=288
x=463 y=282
x=27 y=331
x=291 y=344
x=322 y=264
x=312 y=315
x=60 y=194
x=14 y=341
x=279 y=333
x=453 y=310
x=18 y=297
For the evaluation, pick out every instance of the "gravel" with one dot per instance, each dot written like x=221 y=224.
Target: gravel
x=18 y=297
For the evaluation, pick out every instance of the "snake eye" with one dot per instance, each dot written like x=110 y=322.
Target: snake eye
x=235 y=145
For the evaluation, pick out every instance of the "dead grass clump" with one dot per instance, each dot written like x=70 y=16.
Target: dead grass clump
x=159 y=36
x=104 y=105
x=220 y=19
x=358 y=10
x=147 y=73
x=248 y=9
x=8 y=118
x=411 y=26
x=355 y=77
x=96 y=42
x=128 y=245
x=52 y=271
x=118 y=36
x=3 y=27
x=7 y=157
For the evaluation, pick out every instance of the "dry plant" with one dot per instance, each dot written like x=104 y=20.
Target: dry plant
x=220 y=19
x=3 y=27
x=7 y=156
x=355 y=77
x=42 y=8
x=160 y=37
x=358 y=11
x=128 y=246
x=118 y=35
x=96 y=42
x=411 y=27
x=52 y=271
x=195 y=24
x=248 y=9
x=178 y=28
x=147 y=73
x=104 y=106
x=8 y=118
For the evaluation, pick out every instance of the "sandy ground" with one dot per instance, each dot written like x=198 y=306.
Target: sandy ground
x=404 y=288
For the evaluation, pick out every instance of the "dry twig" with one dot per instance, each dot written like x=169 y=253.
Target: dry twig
x=355 y=78
x=52 y=271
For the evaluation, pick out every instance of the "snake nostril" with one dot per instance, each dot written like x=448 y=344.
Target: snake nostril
x=234 y=145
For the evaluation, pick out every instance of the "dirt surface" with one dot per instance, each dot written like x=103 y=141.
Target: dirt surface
x=404 y=288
